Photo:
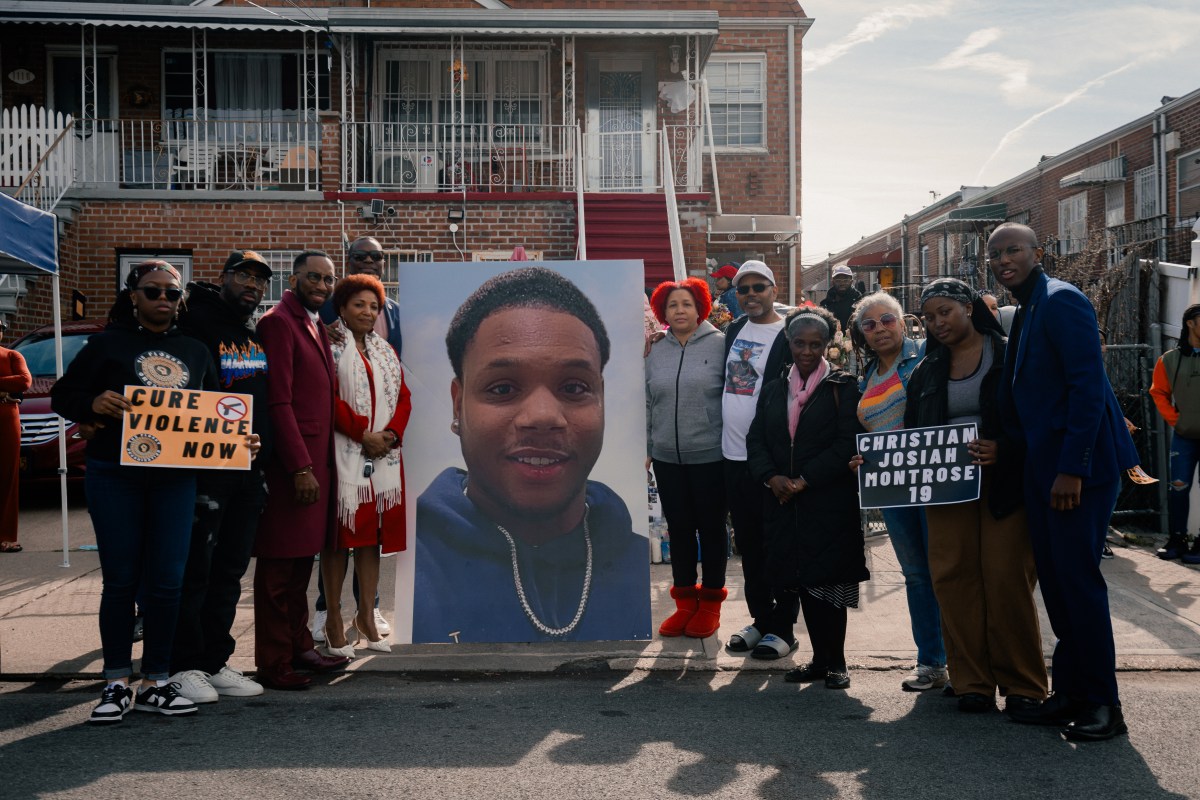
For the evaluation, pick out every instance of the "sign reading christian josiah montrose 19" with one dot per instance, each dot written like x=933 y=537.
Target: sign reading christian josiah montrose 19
x=917 y=467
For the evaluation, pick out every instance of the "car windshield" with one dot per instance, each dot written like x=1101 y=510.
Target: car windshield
x=39 y=353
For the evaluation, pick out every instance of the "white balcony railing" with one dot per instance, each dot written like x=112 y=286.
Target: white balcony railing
x=428 y=157
x=193 y=154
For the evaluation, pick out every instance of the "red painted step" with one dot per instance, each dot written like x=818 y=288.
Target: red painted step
x=630 y=226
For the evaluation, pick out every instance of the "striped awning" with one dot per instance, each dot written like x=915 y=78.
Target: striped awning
x=1111 y=171
x=514 y=22
x=964 y=220
x=135 y=15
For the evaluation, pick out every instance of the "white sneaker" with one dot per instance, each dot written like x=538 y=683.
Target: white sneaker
x=924 y=678
x=318 y=626
x=381 y=624
x=233 y=683
x=193 y=684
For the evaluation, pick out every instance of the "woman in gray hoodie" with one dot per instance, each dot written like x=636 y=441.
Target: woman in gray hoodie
x=684 y=379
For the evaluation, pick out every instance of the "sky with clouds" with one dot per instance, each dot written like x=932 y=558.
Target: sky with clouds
x=903 y=98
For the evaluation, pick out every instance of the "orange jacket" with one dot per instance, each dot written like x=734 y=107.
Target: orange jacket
x=1160 y=390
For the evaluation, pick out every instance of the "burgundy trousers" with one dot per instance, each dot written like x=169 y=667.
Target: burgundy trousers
x=281 y=611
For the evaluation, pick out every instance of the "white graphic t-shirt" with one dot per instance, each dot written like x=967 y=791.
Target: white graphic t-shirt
x=743 y=381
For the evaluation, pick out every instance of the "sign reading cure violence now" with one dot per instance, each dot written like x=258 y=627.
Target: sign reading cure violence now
x=183 y=428
x=917 y=467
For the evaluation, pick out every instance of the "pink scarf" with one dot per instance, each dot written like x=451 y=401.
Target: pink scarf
x=799 y=390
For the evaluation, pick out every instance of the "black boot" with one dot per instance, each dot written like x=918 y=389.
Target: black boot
x=1175 y=547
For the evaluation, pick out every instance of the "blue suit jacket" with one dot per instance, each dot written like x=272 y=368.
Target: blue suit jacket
x=1055 y=393
x=391 y=312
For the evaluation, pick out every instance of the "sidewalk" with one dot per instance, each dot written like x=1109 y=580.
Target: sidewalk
x=48 y=623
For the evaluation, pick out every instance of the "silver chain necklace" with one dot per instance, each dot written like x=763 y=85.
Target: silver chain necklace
x=587 y=582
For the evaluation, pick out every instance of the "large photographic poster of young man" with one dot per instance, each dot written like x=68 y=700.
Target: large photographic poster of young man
x=525 y=453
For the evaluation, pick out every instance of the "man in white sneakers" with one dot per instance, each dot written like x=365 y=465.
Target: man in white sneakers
x=756 y=351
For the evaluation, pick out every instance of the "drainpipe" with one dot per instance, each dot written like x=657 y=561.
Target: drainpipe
x=903 y=260
x=792 y=177
x=1160 y=158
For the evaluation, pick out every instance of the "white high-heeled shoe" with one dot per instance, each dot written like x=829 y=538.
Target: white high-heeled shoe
x=382 y=645
x=344 y=652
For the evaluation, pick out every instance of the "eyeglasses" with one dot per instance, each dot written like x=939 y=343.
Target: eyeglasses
x=366 y=255
x=243 y=278
x=757 y=288
x=155 y=292
x=1010 y=251
x=316 y=277
x=888 y=320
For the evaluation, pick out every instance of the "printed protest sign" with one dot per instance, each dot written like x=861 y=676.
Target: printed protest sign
x=183 y=428
x=917 y=467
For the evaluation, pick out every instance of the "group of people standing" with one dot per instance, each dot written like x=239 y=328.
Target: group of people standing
x=1051 y=448
x=330 y=408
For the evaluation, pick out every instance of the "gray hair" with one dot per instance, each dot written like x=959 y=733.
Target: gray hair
x=870 y=301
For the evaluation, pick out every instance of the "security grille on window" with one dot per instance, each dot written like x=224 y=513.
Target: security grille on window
x=280 y=262
x=1188 y=182
x=737 y=92
x=391 y=268
x=1072 y=223
x=1114 y=205
x=1143 y=193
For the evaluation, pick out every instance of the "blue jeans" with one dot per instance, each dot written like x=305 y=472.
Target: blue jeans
x=910 y=538
x=1185 y=455
x=143 y=522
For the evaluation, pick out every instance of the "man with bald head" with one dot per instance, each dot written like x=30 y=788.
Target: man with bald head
x=1056 y=398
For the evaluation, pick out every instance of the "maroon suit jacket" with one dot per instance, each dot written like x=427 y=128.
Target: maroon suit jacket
x=300 y=395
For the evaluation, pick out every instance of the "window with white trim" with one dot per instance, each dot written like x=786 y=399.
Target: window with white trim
x=1114 y=205
x=1072 y=223
x=737 y=92
x=419 y=88
x=1187 y=182
x=503 y=255
x=1143 y=193
x=924 y=260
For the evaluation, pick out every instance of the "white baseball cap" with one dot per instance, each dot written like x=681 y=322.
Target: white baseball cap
x=842 y=269
x=753 y=267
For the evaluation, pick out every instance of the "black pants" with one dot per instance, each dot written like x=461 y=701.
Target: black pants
x=228 y=505
x=826 y=625
x=746 y=497
x=693 y=502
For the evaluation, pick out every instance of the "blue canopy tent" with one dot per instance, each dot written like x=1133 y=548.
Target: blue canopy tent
x=30 y=236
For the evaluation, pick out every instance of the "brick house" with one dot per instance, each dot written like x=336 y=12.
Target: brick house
x=667 y=131
x=1134 y=189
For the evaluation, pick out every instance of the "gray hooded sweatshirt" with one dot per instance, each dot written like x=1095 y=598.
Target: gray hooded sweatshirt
x=683 y=397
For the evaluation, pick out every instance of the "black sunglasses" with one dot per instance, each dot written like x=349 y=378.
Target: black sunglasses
x=757 y=288
x=367 y=255
x=155 y=292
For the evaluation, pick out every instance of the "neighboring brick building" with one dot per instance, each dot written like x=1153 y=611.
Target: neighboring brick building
x=198 y=129
x=1135 y=189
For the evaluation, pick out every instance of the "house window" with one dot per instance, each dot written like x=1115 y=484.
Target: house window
x=242 y=84
x=737 y=100
x=1187 y=179
x=66 y=82
x=924 y=260
x=391 y=268
x=280 y=262
x=1114 y=205
x=494 y=89
x=1072 y=223
x=1143 y=193
x=503 y=255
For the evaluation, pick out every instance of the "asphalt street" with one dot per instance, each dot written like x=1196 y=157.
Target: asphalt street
x=605 y=734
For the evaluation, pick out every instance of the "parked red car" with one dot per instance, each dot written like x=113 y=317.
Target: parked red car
x=39 y=425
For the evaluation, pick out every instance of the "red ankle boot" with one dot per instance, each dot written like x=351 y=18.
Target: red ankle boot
x=707 y=618
x=685 y=609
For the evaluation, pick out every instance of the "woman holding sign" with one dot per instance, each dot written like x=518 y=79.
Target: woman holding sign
x=802 y=436
x=370 y=414
x=891 y=359
x=142 y=515
x=980 y=556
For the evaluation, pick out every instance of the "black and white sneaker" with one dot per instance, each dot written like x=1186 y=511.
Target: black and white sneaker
x=114 y=703
x=165 y=700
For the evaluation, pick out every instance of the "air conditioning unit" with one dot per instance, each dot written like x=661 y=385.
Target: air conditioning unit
x=416 y=170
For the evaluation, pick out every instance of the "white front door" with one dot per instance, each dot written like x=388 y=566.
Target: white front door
x=621 y=123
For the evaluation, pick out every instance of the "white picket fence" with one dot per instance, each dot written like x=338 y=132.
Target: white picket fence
x=27 y=134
